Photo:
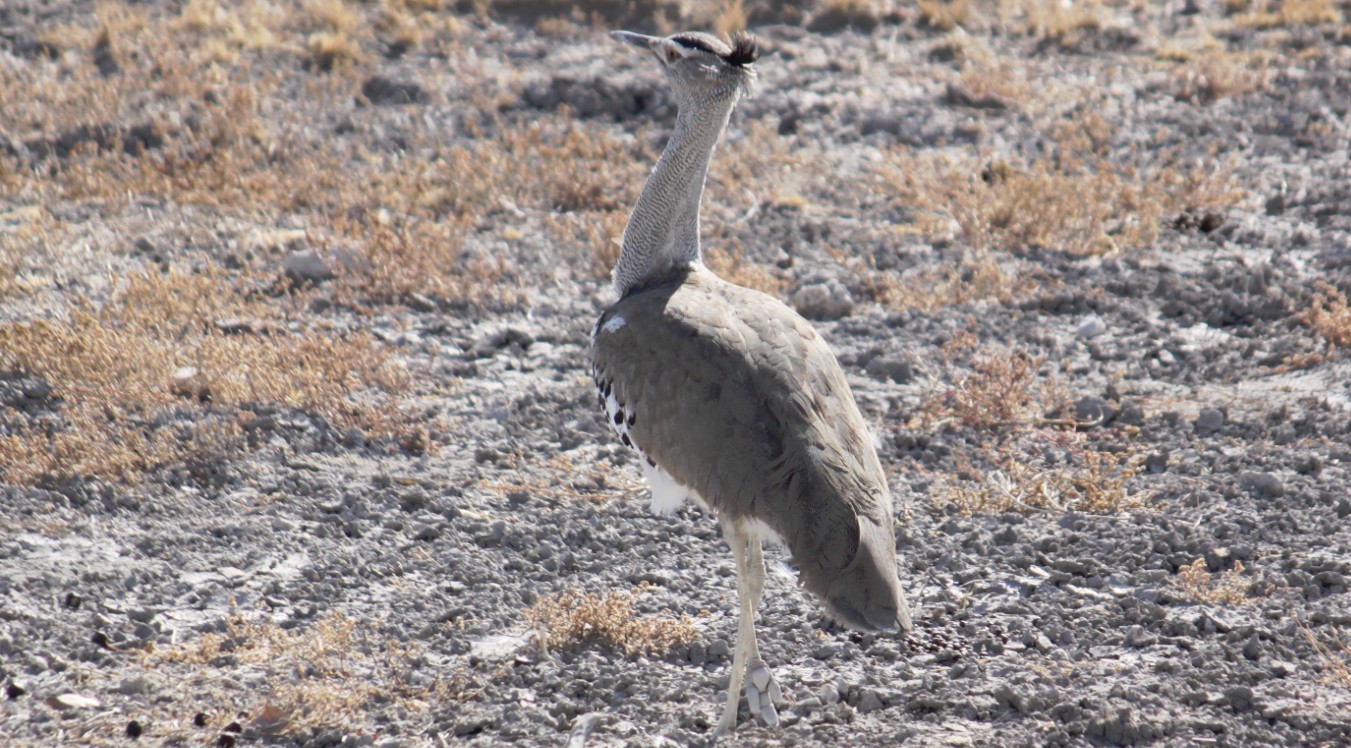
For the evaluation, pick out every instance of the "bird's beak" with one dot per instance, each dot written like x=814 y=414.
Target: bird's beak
x=637 y=40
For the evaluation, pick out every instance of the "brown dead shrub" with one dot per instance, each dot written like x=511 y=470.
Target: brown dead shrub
x=1330 y=316
x=315 y=677
x=571 y=620
x=1195 y=582
x=1074 y=201
x=999 y=389
x=112 y=369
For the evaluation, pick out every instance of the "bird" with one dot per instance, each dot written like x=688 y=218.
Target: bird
x=733 y=400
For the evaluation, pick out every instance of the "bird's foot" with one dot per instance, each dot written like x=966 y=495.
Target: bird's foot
x=762 y=693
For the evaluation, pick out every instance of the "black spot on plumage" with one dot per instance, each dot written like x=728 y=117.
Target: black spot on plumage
x=632 y=417
x=690 y=41
x=619 y=417
x=651 y=462
x=627 y=441
x=607 y=389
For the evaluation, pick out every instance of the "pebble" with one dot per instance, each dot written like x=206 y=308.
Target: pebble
x=72 y=701
x=869 y=702
x=381 y=90
x=825 y=300
x=189 y=382
x=1093 y=410
x=894 y=368
x=1261 y=485
x=1091 y=327
x=1208 y=421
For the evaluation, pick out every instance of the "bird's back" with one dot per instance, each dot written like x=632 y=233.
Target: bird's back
x=736 y=397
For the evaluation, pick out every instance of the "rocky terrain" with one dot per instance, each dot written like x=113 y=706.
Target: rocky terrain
x=297 y=437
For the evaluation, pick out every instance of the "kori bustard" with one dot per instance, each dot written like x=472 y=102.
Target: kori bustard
x=731 y=398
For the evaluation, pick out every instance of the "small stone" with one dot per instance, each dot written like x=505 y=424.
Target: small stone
x=1093 y=411
x=718 y=650
x=68 y=701
x=14 y=689
x=1252 y=650
x=381 y=90
x=37 y=389
x=142 y=615
x=1261 y=485
x=134 y=729
x=1208 y=421
x=895 y=368
x=426 y=532
x=307 y=266
x=189 y=382
x=419 y=303
x=132 y=685
x=72 y=601
x=826 y=300
x=1091 y=327
x=1156 y=462
x=869 y=702
x=1283 y=669
x=1239 y=697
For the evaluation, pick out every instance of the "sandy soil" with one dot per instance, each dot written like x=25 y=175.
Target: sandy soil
x=1119 y=450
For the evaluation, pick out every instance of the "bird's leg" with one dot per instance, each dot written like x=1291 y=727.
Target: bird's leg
x=745 y=637
x=762 y=691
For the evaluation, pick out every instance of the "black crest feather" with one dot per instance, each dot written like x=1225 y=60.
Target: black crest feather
x=744 y=50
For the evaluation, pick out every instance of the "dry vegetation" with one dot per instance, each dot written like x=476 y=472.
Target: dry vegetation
x=1196 y=582
x=570 y=620
x=1075 y=200
x=1336 y=656
x=989 y=390
x=1048 y=19
x=321 y=676
x=1330 y=315
x=1086 y=480
x=112 y=369
x=1272 y=13
x=977 y=278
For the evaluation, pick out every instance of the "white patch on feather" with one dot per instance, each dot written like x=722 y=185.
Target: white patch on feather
x=668 y=495
x=614 y=323
x=613 y=408
x=756 y=528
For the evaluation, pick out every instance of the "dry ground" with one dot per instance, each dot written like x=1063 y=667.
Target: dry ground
x=297 y=444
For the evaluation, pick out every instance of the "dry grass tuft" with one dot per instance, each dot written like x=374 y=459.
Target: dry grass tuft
x=947 y=14
x=121 y=411
x=1195 y=582
x=1330 y=315
x=999 y=390
x=980 y=278
x=1041 y=19
x=1088 y=480
x=1264 y=14
x=1210 y=74
x=1336 y=656
x=1074 y=201
x=731 y=17
x=570 y=620
x=319 y=677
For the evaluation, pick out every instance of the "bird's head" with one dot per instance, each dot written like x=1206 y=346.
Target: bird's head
x=699 y=65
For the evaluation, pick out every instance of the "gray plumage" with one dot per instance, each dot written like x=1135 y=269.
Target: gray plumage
x=731 y=397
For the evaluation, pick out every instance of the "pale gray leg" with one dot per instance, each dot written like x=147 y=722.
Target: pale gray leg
x=762 y=691
x=745 y=630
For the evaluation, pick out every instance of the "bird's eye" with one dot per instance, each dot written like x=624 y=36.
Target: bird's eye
x=671 y=56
